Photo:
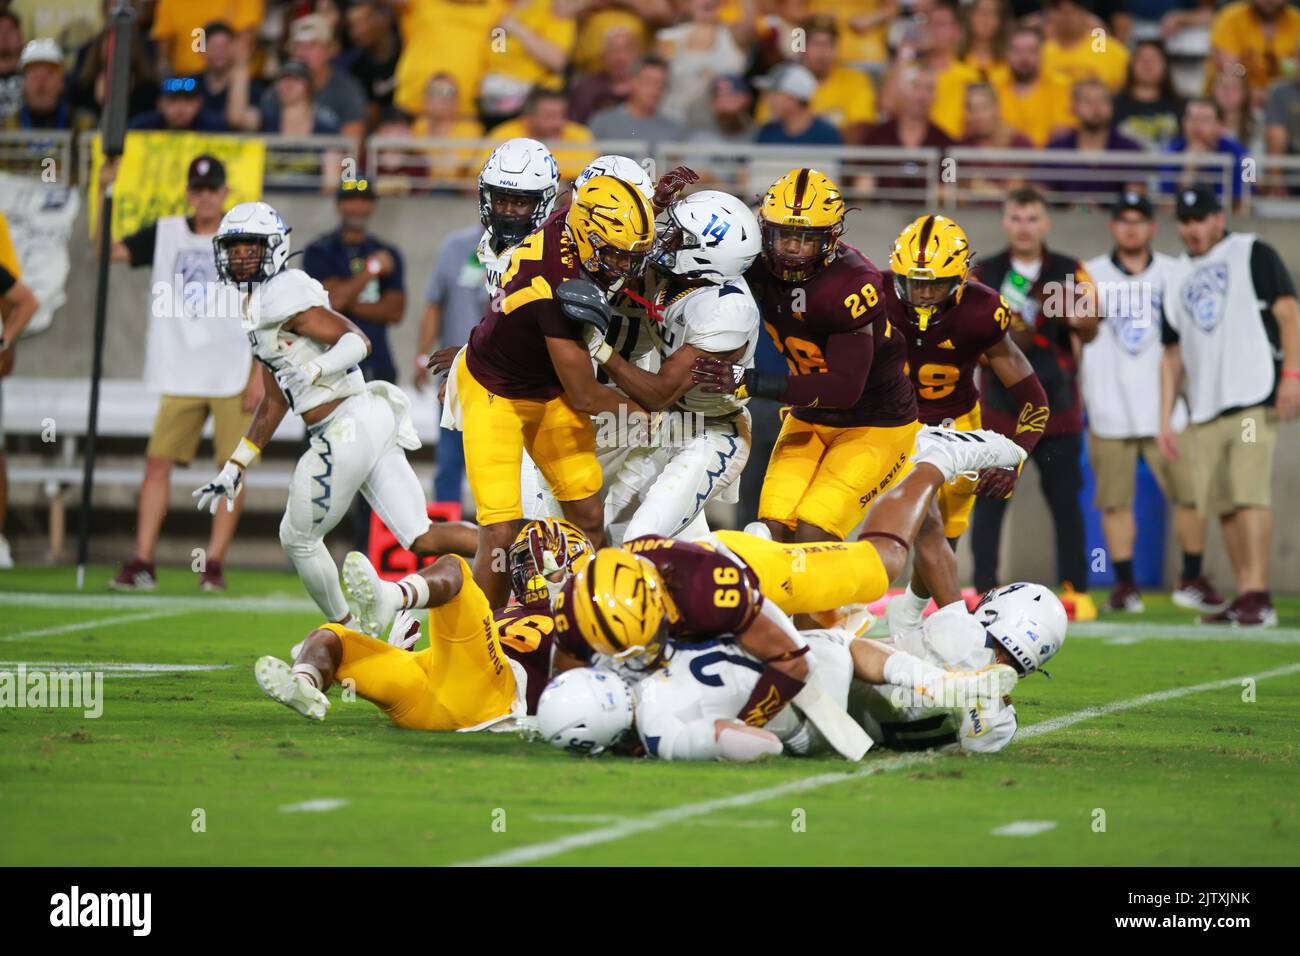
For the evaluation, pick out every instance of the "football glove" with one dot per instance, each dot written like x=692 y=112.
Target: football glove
x=228 y=483
x=671 y=183
x=405 y=632
x=583 y=302
x=297 y=376
x=720 y=377
x=600 y=349
x=997 y=483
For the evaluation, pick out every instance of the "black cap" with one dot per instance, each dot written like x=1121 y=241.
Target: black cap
x=357 y=189
x=1132 y=201
x=295 y=68
x=1197 y=202
x=206 y=170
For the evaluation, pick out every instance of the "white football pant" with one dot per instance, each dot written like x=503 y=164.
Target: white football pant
x=353 y=449
x=663 y=490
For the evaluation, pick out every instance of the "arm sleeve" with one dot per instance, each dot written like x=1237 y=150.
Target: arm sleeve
x=848 y=363
x=675 y=739
x=1034 y=411
x=141 y=244
x=1268 y=273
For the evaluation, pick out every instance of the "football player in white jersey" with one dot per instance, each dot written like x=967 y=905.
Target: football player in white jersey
x=686 y=709
x=516 y=192
x=358 y=431
x=704 y=308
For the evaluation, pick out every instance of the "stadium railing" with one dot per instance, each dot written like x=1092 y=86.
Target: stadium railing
x=975 y=176
x=26 y=152
x=1277 y=192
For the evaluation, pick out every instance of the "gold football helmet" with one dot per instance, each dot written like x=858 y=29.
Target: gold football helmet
x=544 y=551
x=613 y=227
x=802 y=217
x=620 y=605
x=930 y=261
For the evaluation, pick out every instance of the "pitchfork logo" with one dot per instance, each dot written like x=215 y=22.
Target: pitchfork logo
x=1205 y=295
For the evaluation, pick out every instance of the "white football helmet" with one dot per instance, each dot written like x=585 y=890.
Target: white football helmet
x=1026 y=619
x=585 y=710
x=709 y=235
x=519 y=167
x=620 y=167
x=252 y=220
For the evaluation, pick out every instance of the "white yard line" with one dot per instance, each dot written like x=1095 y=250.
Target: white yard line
x=87 y=625
x=671 y=815
x=267 y=604
x=1191 y=631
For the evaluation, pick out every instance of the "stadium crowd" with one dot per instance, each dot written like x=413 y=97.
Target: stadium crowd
x=1180 y=76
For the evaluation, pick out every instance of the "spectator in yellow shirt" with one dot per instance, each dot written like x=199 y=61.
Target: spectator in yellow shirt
x=445 y=36
x=544 y=119
x=937 y=52
x=1260 y=35
x=845 y=97
x=1079 y=48
x=986 y=25
x=864 y=29
x=1032 y=101
x=441 y=119
x=175 y=23
x=538 y=39
x=598 y=17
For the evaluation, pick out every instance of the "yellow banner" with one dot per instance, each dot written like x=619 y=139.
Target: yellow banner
x=150 y=181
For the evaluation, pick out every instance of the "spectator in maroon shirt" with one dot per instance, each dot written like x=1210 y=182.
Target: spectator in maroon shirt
x=910 y=126
x=593 y=92
x=1094 y=110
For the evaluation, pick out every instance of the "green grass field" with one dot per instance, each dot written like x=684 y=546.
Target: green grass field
x=1194 y=775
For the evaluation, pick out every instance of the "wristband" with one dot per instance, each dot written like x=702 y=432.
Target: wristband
x=245 y=454
x=602 y=354
x=1291 y=373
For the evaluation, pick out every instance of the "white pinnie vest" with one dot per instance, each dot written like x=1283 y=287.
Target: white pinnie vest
x=266 y=309
x=1120 y=369
x=715 y=318
x=195 y=344
x=1212 y=304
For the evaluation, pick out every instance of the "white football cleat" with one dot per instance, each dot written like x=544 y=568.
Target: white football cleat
x=373 y=601
x=759 y=530
x=278 y=683
x=965 y=452
x=983 y=688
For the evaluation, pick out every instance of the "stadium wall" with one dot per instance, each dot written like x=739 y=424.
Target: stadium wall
x=417 y=227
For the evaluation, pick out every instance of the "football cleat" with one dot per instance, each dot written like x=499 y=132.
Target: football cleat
x=136 y=576
x=1126 y=597
x=1198 y=594
x=902 y=616
x=373 y=601
x=759 y=530
x=276 y=679
x=965 y=452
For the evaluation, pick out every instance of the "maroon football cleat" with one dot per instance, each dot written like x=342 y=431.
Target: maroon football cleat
x=136 y=576
x=1126 y=597
x=1251 y=609
x=211 y=578
x=1198 y=594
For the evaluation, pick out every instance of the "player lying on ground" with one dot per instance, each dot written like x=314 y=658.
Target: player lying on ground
x=685 y=710
x=358 y=431
x=634 y=601
x=481 y=666
x=951 y=325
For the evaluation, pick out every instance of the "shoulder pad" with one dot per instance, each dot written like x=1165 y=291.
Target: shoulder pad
x=283 y=296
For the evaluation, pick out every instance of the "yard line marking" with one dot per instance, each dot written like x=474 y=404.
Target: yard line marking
x=321 y=805
x=1024 y=828
x=1133 y=633
x=669 y=815
x=114 y=669
x=87 y=625
x=268 y=604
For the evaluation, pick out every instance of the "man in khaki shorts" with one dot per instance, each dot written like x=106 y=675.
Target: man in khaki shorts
x=1232 y=327
x=1120 y=373
x=198 y=358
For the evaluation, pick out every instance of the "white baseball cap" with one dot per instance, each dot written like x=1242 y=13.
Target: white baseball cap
x=43 y=50
x=794 y=79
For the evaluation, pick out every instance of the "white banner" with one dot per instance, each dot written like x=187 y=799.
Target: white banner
x=40 y=222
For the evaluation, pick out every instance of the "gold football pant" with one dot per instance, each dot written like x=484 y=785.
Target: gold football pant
x=814 y=576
